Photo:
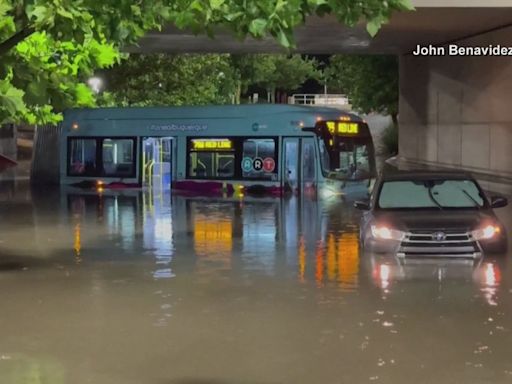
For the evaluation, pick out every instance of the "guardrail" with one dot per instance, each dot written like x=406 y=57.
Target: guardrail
x=319 y=99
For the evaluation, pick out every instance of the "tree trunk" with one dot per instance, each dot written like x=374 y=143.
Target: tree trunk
x=238 y=93
x=394 y=118
x=6 y=45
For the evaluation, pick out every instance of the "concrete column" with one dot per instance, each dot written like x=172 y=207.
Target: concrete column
x=457 y=111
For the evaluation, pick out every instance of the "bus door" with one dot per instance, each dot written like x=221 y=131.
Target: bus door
x=308 y=164
x=157 y=162
x=299 y=164
x=291 y=170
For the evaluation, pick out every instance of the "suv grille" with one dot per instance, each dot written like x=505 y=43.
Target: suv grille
x=439 y=244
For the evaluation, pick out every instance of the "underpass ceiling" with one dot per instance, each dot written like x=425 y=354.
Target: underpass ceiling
x=426 y=25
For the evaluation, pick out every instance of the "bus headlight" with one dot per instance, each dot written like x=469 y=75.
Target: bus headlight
x=484 y=233
x=384 y=233
x=330 y=191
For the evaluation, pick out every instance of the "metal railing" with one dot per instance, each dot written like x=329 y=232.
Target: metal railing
x=319 y=99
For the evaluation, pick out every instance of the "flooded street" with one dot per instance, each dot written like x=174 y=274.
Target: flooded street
x=139 y=287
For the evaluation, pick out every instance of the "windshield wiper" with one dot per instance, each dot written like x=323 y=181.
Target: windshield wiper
x=431 y=195
x=470 y=197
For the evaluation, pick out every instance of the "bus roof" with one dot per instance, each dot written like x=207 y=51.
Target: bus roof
x=204 y=112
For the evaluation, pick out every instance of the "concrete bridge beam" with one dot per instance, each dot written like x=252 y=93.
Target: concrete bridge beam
x=457 y=111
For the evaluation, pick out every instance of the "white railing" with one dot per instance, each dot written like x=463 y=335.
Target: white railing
x=334 y=100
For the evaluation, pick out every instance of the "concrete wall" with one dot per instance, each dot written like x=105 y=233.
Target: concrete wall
x=8 y=141
x=46 y=155
x=8 y=149
x=457 y=111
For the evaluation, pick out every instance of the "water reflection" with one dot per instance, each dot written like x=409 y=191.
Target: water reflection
x=313 y=242
x=387 y=271
x=18 y=369
x=337 y=261
x=259 y=232
x=212 y=227
x=77 y=244
x=272 y=236
x=488 y=276
x=157 y=228
x=151 y=278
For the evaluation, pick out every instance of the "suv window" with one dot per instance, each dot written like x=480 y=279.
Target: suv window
x=430 y=194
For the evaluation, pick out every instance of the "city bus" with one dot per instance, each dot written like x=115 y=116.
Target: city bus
x=247 y=148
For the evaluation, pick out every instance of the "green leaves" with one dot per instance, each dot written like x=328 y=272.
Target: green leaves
x=273 y=72
x=40 y=15
x=259 y=18
x=64 y=13
x=42 y=115
x=284 y=39
x=71 y=39
x=257 y=27
x=53 y=73
x=11 y=101
x=7 y=25
x=371 y=82
x=37 y=93
x=84 y=96
x=406 y=5
x=105 y=55
x=50 y=47
x=216 y=4
x=155 y=80
x=373 y=26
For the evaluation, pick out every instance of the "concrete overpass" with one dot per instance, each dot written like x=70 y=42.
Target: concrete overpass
x=455 y=111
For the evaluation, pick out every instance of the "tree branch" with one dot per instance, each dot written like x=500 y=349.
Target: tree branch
x=6 y=45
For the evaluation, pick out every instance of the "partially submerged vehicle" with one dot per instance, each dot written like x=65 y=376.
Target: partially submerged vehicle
x=431 y=214
x=219 y=149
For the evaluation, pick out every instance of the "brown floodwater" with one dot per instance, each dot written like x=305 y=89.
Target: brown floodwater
x=144 y=287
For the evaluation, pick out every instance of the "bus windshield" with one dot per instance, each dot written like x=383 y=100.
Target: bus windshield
x=349 y=159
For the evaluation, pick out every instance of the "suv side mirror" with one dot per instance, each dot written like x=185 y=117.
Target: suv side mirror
x=498 y=201
x=362 y=205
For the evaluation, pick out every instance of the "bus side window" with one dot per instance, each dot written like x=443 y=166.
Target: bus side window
x=211 y=162
x=204 y=164
x=262 y=151
x=226 y=165
x=118 y=157
x=200 y=162
x=82 y=157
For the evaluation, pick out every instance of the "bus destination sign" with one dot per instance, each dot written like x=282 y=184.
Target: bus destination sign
x=212 y=144
x=342 y=128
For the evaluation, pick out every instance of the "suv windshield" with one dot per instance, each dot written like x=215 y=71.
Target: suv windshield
x=434 y=194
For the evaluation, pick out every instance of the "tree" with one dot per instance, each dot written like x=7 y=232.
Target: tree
x=279 y=18
x=49 y=48
x=79 y=36
x=371 y=82
x=273 y=72
x=158 y=79
x=284 y=73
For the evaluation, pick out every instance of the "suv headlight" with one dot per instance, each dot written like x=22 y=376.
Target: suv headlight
x=384 y=233
x=487 y=232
